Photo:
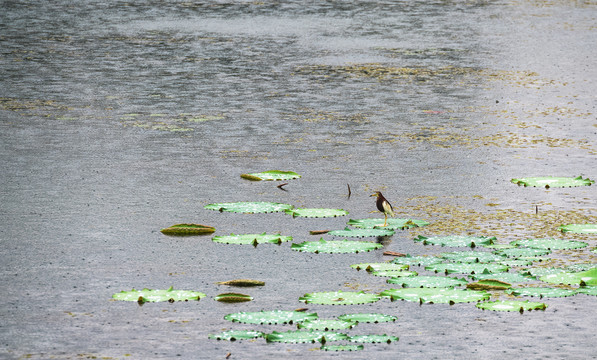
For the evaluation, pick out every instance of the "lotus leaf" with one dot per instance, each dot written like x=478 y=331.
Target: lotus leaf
x=541 y=292
x=339 y=298
x=417 y=260
x=379 y=266
x=342 y=347
x=271 y=175
x=427 y=282
x=188 y=230
x=523 y=252
x=242 y=283
x=394 y=273
x=511 y=305
x=466 y=268
x=336 y=247
x=549 y=244
x=347 y=232
x=588 y=278
x=271 y=317
x=499 y=246
x=392 y=223
x=148 y=295
x=326 y=324
x=581 y=267
x=538 y=272
x=251 y=239
x=233 y=297
x=489 y=284
x=504 y=276
x=372 y=339
x=308 y=336
x=516 y=262
x=367 y=318
x=579 y=228
x=316 y=213
x=249 y=207
x=471 y=256
x=456 y=241
x=587 y=290
x=435 y=295
x=234 y=335
x=553 y=181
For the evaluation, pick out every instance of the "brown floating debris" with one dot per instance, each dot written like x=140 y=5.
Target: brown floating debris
x=318 y=232
x=188 y=230
x=393 y=253
x=281 y=186
x=489 y=284
x=242 y=283
x=250 y=177
x=349 y=192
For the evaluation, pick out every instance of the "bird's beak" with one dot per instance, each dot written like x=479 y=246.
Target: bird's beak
x=372 y=195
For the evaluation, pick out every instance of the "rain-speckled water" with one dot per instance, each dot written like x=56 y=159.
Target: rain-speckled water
x=119 y=118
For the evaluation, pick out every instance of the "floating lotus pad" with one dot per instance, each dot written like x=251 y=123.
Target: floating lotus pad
x=427 y=282
x=471 y=256
x=188 y=230
x=339 y=298
x=234 y=335
x=326 y=324
x=251 y=239
x=373 y=339
x=489 y=284
x=587 y=290
x=541 y=292
x=316 y=213
x=148 y=295
x=467 y=268
x=336 y=247
x=271 y=317
x=249 y=207
x=380 y=266
x=504 y=276
x=581 y=267
x=511 y=305
x=549 y=244
x=368 y=318
x=456 y=241
x=271 y=175
x=392 y=223
x=523 y=252
x=417 y=260
x=584 y=278
x=233 y=297
x=394 y=273
x=342 y=347
x=348 y=232
x=308 y=336
x=435 y=295
x=553 y=181
x=516 y=262
x=538 y=272
x=242 y=283
x=579 y=228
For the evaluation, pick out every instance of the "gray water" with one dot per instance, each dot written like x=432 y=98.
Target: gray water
x=121 y=118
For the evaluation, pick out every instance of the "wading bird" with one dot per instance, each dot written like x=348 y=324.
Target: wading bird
x=384 y=206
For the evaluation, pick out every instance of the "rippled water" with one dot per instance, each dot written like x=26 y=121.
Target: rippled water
x=121 y=118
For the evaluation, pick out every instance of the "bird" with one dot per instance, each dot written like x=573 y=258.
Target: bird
x=384 y=206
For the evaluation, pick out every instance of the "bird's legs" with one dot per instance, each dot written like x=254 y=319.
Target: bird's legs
x=385 y=220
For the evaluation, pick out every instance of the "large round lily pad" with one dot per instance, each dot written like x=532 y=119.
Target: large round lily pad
x=549 y=244
x=307 y=336
x=249 y=207
x=511 y=305
x=271 y=317
x=435 y=295
x=587 y=290
x=336 y=247
x=579 y=228
x=380 y=266
x=339 y=298
x=456 y=241
x=504 y=276
x=471 y=256
x=427 y=282
x=342 y=347
x=585 y=278
x=251 y=239
x=392 y=223
x=541 y=292
x=553 y=181
x=467 y=268
x=523 y=252
x=233 y=335
x=417 y=260
x=326 y=324
x=149 y=295
x=316 y=213
x=271 y=175
x=348 y=232
x=368 y=317
x=373 y=339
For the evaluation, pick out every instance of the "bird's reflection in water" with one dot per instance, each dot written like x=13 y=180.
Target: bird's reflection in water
x=384 y=240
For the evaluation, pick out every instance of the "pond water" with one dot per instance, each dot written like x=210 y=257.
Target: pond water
x=121 y=118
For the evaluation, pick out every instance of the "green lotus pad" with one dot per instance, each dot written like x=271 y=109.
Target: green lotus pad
x=316 y=213
x=249 y=207
x=504 y=276
x=489 y=284
x=392 y=223
x=523 y=252
x=538 y=272
x=471 y=256
x=271 y=175
x=339 y=298
x=308 y=336
x=379 y=266
x=188 y=230
x=394 y=273
x=467 y=268
x=373 y=339
x=516 y=262
x=368 y=318
x=435 y=295
x=271 y=317
x=342 y=347
x=579 y=228
x=549 y=244
x=427 y=282
x=348 y=232
x=234 y=335
x=541 y=292
x=336 y=247
x=417 y=260
x=456 y=241
x=584 y=278
x=587 y=290
x=326 y=324
x=553 y=181
x=511 y=305
x=148 y=295
x=251 y=239
x=233 y=297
